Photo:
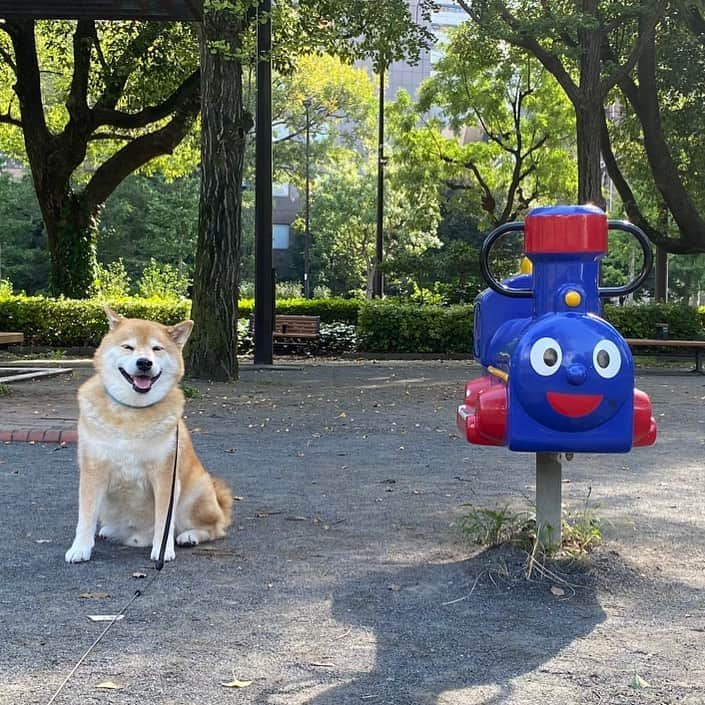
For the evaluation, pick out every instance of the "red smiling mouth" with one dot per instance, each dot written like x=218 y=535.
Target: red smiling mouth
x=573 y=405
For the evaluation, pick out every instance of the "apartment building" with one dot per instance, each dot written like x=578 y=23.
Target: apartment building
x=401 y=74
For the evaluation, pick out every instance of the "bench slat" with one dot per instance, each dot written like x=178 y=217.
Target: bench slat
x=6 y=338
x=697 y=346
x=660 y=342
x=293 y=326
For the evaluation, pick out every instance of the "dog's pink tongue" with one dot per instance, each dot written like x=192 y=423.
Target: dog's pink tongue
x=142 y=382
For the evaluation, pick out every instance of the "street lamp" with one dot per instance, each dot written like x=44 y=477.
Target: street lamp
x=264 y=277
x=307 y=234
x=377 y=284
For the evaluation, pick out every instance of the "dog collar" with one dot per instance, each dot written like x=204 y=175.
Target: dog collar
x=129 y=406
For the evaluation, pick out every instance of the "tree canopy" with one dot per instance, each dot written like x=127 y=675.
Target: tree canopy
x=650 y=51
x=660 y=123
x=570 y=38
x=531 y=102
x=94 y=102
x=492 y=126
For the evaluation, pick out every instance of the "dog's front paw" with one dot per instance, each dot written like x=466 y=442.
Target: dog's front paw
x=192 y=537
x=169 y=553
x=107 y=532
x=138 y=540
x=78 y=553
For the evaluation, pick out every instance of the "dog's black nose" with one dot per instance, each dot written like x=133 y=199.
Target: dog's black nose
x=143 y=364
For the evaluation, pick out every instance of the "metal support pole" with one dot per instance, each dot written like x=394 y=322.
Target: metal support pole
x=307 y=234
x=274 y=295
x=661 y=275
x=548 y=499
x=264 y=298
x=377 y=286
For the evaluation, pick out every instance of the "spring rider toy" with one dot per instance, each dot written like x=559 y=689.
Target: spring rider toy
x=557 y=377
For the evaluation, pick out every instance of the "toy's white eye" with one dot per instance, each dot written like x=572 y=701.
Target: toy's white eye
x=606 y=359
x=546 y=356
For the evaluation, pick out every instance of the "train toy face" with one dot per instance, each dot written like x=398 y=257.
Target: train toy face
x=572 y=372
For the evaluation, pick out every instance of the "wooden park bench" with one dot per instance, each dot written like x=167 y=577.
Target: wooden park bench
x=297 y=326
x=293 y=327
x=9 y=338
x=655 y=346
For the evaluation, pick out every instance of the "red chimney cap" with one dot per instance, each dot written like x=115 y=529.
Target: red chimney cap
x=565 y=230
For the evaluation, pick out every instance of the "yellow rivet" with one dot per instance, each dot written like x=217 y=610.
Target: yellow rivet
x=573 y=299
x=525 y=267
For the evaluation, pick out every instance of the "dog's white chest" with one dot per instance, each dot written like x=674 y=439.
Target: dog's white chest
x=129 y=444
x=131 y=456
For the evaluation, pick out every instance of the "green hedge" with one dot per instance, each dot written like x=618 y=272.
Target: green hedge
x=684 y=322
x=333 y=310
x=77 y=323
x=82 y=323
x=382 y=326
x=389 y=327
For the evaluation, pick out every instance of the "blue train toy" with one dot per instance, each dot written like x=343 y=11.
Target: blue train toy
x=557 y=377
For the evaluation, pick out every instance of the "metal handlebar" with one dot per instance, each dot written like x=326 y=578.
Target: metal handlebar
x=638 y=233
x=485 y=267
x=603 y=291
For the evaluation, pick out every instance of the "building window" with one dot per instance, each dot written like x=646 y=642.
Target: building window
x=280 y=236
x=280 y=190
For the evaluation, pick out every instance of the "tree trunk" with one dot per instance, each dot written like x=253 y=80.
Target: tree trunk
x=588 y=106
x=212 y=349
x=587 y=119
x=370 y=282
x=643 y=98
x=71 y=218
x=72 y=231
x=657 y=236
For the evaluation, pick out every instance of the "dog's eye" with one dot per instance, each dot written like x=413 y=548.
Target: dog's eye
x=157 y=348
x=127 y=347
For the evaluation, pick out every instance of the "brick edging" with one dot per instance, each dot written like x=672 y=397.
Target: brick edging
x=39 y=436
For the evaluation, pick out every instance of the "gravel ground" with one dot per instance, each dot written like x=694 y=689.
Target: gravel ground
x=345 y=578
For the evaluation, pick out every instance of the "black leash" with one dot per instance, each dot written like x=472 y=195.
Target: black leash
x=158 y=565
x=115 y=618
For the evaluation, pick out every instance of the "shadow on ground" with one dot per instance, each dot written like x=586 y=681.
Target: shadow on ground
x=458 y=625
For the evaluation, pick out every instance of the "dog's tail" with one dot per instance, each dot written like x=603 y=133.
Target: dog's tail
x=225 y=500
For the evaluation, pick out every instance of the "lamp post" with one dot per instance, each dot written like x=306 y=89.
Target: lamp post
x=377 y=284
x=264 y=276
x=307 y=234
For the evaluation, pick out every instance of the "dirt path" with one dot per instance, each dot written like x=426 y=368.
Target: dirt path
x=346 y=579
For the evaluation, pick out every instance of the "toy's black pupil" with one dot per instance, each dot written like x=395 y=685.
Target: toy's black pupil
x=603 y=359
x=550 y=357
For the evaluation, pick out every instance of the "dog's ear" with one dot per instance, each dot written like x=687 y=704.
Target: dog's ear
x=114 y=319
x=180 y=332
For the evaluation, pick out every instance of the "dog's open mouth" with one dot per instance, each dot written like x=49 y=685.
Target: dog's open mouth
x=140 y=383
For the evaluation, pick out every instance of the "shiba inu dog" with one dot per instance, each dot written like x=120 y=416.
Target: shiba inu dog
x=129 y=412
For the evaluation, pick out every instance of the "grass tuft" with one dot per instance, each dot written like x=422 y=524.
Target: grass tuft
x=191 y=392
x=502 y=526
x=493 y=527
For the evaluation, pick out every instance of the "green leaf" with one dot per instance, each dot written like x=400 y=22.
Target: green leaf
x=638 y=683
